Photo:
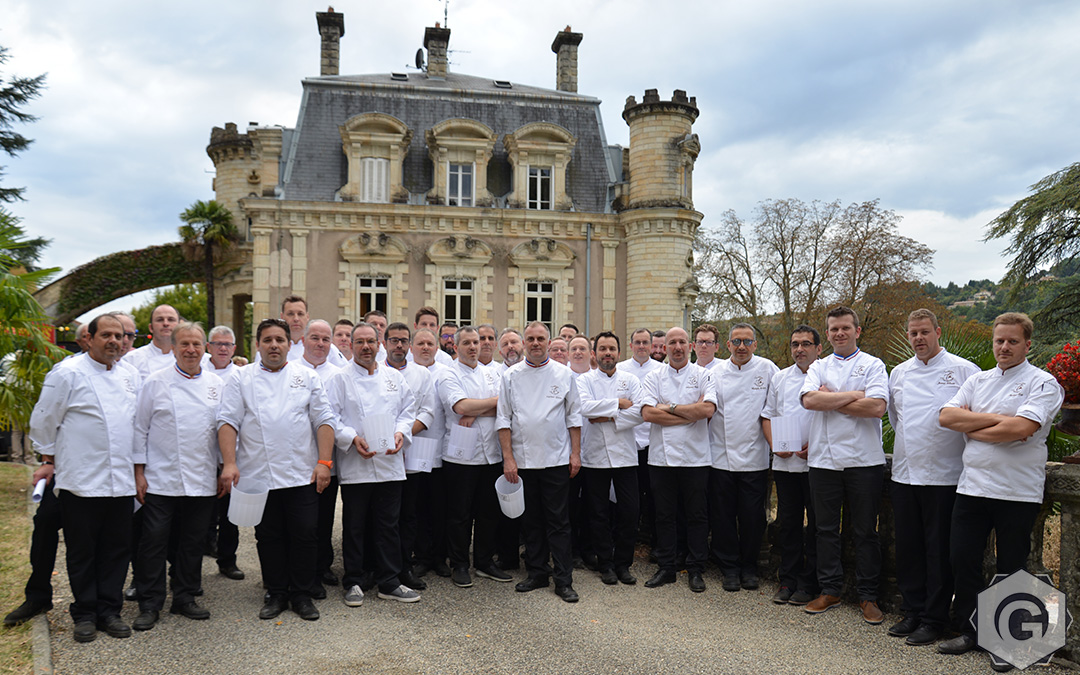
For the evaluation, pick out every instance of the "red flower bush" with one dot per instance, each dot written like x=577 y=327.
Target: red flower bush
x=1065 y=366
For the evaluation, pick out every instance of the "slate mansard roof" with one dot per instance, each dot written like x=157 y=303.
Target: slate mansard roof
x=315 y=165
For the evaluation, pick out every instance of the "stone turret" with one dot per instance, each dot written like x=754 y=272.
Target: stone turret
x=245 y=164
x=657 y=212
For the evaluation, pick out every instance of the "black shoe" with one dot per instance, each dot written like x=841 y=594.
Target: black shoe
x=624 y=576
x=231 y=572
x=579 y=564
x=531 y=584
x=319 y=593
x=26 y=611
x=114 y=626
x=274 y=605
x=731 y=583
x=749 y=581
x=800 y=598
x=305 y=608
x=567 y=593
x=782 y=596
x=442 y=569
x=191 y=610
x=412 y=581
x=590 y=561
x=494 y=573
x=961 y=644
x=198 y=592
x=1000 y=667
x=697 y=584
x=609 y=577
x=328 y=578
x=461 y=578
x=146 y=620
x=661 y=578
x=923 y=635
x=904 y=627
x=421 y=569
x=85 y=631
x=131 y=595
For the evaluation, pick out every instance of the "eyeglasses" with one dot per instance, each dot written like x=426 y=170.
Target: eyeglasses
x=805 y=344
x=219 y=345
x=742 y=341
x=398 y=341
x=446 y=336
x=705 y=343
x=129 y=335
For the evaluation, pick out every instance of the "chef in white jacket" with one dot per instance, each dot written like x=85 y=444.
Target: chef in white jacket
x=739 y=478
x=539 y=423
x=176 y=460
x=611 y=411
x=84 y=422
x=275 y=426
x=640 y=364
x=157 y=354
x=371 y=468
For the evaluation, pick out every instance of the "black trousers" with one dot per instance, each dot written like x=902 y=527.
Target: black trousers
x=797 y=544
x=325 y=529
x=228 y=535
x=408 y=523
x=581 y=539
x=860 y=488
x=430 y=545
x=182 y=518
x=381 y=503
x=286 y=541
x=972 y=520
x=43 y=544
x=617 y=551
x=688 y=486
x=923 y=515
x=546 y=523
x=647 y=526
x=97 y=533
x=472 y=510
x=737 y=518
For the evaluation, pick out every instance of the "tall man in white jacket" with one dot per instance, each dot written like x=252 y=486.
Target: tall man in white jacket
x=680 y=397
x=158 y=353
x=926 y=468
x=539 y=422
x=275 y=426
x=84 y=422
x=371 y=474
x=611 y=402
x=176 y=460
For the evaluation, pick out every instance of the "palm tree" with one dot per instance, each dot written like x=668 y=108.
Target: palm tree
x=208 y=226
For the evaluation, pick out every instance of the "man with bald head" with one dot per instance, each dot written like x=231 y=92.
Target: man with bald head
x=158 y=353
x=678 y=401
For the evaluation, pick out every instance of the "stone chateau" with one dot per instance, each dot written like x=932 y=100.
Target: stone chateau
x=493 y=201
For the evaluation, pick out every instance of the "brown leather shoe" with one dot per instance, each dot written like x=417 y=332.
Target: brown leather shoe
x=871 y=614
x=822 y=603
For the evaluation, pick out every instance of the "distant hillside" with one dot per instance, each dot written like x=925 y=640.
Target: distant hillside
x=982 y=300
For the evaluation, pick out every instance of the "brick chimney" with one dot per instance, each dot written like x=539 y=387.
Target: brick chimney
x=565 y=47
x=331 y=28
x=435 y=42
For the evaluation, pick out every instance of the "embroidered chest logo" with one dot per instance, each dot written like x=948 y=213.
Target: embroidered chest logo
x=759 y=383
x=129 y=386
x=554 y=391
x=212 y=393
x=1018 y=390
x=297 y=382
x=692 y=381
x=489 y=378
x=859 y=371
x=623 y=386
x=391 y=385
x=948 y=379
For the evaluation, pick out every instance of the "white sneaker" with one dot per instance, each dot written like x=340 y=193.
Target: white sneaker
x=354 y=597
x=401 y=594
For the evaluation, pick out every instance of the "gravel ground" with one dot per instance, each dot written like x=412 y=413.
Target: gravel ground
x=491 y=629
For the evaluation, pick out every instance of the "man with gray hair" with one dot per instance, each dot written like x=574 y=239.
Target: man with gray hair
x=130 y=331
x=511 y=347
x=488 y=344
x=220 y=347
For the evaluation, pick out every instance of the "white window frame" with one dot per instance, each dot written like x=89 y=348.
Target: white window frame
x=375 y=177
x=455 y=196
x=375 y=289
x=536 y=292
x=538 y=177
x=454 y=290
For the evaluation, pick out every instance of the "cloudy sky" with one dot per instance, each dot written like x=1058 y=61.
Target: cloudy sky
x=945 y=111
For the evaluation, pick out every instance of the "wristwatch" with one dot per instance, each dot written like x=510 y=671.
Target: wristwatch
x=671 y=407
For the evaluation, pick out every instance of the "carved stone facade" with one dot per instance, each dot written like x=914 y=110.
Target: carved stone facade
x=492 y=201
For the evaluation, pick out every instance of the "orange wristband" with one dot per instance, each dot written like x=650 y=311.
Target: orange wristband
x=329 y=464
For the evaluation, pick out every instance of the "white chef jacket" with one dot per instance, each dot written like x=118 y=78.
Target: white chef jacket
x=783 y=401
x=223 y=373
x=296 y=352
x=609 y=445
x=1013 y=471
x=422 y=382
x=539 y=404
x=85 y=417
x=839 y=441
x=737 y=440
x=324 y=369
x=438 y=428
x=176 y=432
x=461 y=382
x=148 y=359
x=685 y=444
x=924 y=452
x=441 y=357
x=640 y=370
x=355 y=394
x=276 y=416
